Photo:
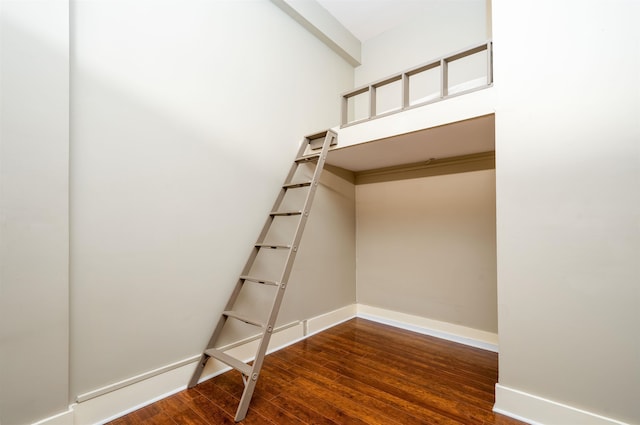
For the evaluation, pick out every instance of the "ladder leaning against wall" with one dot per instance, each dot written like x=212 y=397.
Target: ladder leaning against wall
x=312 y=150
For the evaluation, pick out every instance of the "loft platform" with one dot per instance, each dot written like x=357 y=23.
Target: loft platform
x=467 y=138
x=444 y=108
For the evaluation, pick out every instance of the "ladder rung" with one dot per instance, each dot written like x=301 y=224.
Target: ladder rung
x=258 y=280
x=272 y=246
x=242 y=318
x=294 y=185
x=311 y=137
x=274 y=213
x=307 y=158
x=244 y=368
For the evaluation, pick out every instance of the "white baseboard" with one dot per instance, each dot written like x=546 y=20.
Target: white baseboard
x=112 y=405
x=456 y=333
x=328 y=320
x=108 y=403
x=537 y=410
x=64 y=418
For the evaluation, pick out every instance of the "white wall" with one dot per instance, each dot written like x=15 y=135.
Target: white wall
x=177 y=122
x=442 y=28
x=185 y=119
x=446 y=27
x=324 y=275
x=568 y=207
x=427 y=247
x=34 y=197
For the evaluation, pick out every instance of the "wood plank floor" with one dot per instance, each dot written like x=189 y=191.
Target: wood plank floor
x=359 y=372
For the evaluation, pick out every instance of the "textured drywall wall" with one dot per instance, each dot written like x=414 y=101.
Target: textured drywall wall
x=34 y=209
x=568 y=204
x=427 y=247
x=185 y=119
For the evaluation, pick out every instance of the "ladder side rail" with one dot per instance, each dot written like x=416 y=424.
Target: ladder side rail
x=307 y=206
x=263 y=233
x=264 y=343
x=220 y=325
x=278 y=201
x=301 y=225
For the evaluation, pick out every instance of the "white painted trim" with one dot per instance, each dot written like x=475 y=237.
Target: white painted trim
x=510 y=402
x=325 y=321
x=134 y=379
x=112 y=405
x=64 y=418
x=456 y=333
x=538 y=410
x=113 y=401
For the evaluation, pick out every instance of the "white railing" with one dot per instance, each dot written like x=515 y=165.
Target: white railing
x=439 y=79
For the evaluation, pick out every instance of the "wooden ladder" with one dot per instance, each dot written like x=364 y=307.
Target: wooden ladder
x=251 y=372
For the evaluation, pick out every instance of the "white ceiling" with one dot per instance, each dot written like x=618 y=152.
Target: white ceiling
x=366 y=19
x=466 y=137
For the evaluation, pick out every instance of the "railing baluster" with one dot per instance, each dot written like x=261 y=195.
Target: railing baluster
x=406 y=94
x=345 y=110
x=372 y=101
x=489 y=63
x=444 y=78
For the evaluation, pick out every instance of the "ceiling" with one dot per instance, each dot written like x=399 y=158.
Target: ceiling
x=466 y=137
x=366 y=19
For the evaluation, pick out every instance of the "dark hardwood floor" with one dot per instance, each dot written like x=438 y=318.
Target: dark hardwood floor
x=359 y=372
